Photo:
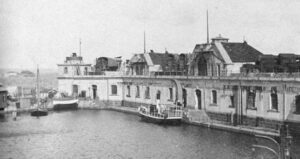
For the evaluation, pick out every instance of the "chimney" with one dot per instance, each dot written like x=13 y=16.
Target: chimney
x=220 y=39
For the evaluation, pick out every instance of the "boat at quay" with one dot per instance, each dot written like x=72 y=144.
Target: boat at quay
x=161 y=114
x=66 y=103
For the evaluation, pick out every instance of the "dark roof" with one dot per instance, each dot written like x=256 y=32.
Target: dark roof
x=110 y=61
x=241 y=52
x=160 y=58
x=287 y=55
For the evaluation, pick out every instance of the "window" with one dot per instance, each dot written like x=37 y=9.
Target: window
x=171 y=93
x=274 y=99
x=219 y=70
x=85 y=71
x=137 y=92
x=65 y=70
x=232 y=102
x=77 y=71
x=214 y=96
x=158 y=95
x=147 y=93
x=114 y=89
x=250 y=98
x=128 y=91
x=212 y=69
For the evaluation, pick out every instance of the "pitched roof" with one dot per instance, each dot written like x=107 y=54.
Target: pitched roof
x=241 y=52
x=138 y=58
x=161 y=58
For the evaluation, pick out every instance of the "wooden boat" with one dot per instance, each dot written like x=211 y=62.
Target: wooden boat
x=161 y=114
x=65 y=103
x=40 y=111
x=164 y=114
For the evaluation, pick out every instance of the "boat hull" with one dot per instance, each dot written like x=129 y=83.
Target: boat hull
x=70 y=106
x=38 y=113
x=67 y=104
x=174 y=121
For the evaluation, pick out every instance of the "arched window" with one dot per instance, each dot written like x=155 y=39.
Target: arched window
x=128 y=91
x=214 y=96
x=251 y=98
x=274 y=99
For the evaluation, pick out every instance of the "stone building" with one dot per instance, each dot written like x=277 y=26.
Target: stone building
x=221 y=58
x=207 y=93
x=255 y=102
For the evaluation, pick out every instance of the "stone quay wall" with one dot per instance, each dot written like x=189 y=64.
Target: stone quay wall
x=222 y=100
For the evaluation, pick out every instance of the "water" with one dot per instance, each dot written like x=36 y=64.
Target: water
x=109 y=134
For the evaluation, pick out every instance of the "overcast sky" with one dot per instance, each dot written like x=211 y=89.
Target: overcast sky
x=44 y=32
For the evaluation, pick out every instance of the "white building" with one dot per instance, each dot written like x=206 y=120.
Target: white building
x=74 y=66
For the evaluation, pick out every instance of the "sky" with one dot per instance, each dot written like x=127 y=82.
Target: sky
x=44 y=32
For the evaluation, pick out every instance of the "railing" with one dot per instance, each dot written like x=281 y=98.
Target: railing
x=169 y=112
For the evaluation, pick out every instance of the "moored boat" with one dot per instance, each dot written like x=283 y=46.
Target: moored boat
x=39 y=111
x=65 y=103
x=161 y=114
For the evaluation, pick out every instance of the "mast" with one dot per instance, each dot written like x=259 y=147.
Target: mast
x=207 y=27
x=38 y=87
x=144 y=42
x=80 y=47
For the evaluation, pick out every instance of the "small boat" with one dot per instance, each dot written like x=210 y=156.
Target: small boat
x=161 y=114
x=39 y=111
x=65 y=103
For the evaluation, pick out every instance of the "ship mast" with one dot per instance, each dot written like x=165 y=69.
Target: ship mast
x=207 y=28
x=37 y=87
x=144 y=42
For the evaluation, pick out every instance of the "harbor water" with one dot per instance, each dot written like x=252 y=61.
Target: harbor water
x=110 y=134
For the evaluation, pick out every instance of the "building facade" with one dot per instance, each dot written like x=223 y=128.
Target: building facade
x=221 y=57
x=74 y=66
x=204 y=83
x=3 y=97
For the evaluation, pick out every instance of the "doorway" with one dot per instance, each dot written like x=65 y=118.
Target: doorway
x=297 y=111
x=75 y=90
x=198 y=94
x=94 y=87
x=184 y=95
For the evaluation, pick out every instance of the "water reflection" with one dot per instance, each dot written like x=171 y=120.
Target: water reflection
x=108 y=134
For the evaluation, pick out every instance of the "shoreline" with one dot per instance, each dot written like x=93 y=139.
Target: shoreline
x=134 y=111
